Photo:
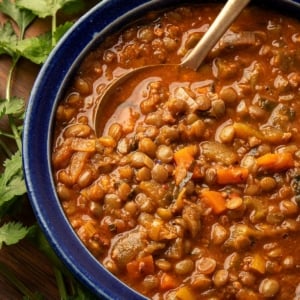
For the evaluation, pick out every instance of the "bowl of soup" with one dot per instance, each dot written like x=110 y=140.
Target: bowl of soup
x=187 y=185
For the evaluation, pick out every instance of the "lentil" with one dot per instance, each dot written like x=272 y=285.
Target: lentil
x=269 y=287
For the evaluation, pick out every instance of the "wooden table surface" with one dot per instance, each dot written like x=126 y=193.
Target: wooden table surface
x=26 y=262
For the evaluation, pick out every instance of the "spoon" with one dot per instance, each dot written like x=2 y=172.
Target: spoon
x=191 y=62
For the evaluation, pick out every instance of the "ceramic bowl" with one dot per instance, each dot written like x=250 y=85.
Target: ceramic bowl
x=107 y=17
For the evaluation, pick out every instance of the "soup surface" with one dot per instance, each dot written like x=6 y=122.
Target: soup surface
x=191 y=191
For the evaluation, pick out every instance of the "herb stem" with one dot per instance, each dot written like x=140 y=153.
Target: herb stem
x=60 y=284
x=6 y=134
x=53 y=29
x=15 y=132
x=11 y=120
x=9 y=78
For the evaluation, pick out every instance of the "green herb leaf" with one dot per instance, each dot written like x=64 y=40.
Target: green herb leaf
x=22 y=17
x=44 y=8
x=62 y=29
x=8 y=39
x=74 y=7
x=36 y=49
x=12 y=232
x=12 y=183
x=15 y=106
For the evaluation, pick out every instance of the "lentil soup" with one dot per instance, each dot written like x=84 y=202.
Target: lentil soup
x=192 y=189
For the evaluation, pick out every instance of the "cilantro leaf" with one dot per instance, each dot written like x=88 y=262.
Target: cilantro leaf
x=12 y=182
x=36 y=49
x=15 y=106
x=12 y=232
x=22 y=17
x=62 y=29
x=44 y=8
x=74 y=7
x=8 y=39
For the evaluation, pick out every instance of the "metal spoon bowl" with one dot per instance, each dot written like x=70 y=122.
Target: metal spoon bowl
x=191 y=62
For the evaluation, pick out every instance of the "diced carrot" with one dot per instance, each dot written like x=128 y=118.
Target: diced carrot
x=133 y=269
x=258 y=264
x=168 y=281
x=275 y=161
x=185 y=156
x=183 y=159
x=215 y=200
x=185 y=293
x=180 y=173
x=232 y=175
x=147 y=265
x=140 y=267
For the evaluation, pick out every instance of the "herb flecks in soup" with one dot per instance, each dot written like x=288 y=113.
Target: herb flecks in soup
x=192 y=190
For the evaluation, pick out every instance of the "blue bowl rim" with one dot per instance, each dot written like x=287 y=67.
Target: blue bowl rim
x=37 y=136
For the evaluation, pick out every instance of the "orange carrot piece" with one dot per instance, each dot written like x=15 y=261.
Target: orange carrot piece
x=184 y=293
x=183 y=159
x=258 y=264
x=180 y=173
x=232 y=175
x=275 y=161
x=215 y=200
x=168 y=281
x=147 y=265
x=133 y=269
x=185 y=156
x=140 y=267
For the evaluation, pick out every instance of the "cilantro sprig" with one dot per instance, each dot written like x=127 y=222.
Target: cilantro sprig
x=20 y=14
